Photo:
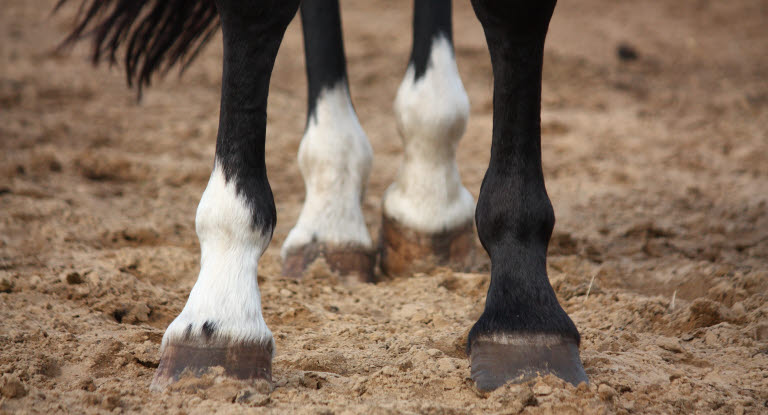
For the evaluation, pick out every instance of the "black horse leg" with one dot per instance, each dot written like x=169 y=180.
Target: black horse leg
x=523 y=330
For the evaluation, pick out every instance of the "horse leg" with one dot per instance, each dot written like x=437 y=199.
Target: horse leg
x=222 y=323
x=427 y=212
x=334 y=158
x=523 y=330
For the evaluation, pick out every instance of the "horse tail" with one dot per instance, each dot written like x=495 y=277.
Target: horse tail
x=156 y=34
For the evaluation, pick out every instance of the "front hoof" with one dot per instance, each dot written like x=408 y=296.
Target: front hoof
x=496 y=360
x=406 y=251
x=355 y=261
x=244 y=361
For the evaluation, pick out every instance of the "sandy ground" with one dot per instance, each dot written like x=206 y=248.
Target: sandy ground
x=656 y=168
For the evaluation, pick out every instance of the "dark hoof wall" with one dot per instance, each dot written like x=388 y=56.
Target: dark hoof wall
x=519 y=359
x=243 y=362
x=406 y=251
x=345 y=260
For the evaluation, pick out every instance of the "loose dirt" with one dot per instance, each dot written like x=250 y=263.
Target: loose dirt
x=655 y=163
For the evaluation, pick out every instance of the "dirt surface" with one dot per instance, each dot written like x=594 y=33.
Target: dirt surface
x=656 y=167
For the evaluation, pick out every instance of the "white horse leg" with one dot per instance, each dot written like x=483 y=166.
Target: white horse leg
x=222 y=323
x=428 y=213
x=334 y=158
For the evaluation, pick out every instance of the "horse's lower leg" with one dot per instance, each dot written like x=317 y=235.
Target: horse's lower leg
x=427 y=218
x=523 y=331
x=334 y=158
x=222 y=323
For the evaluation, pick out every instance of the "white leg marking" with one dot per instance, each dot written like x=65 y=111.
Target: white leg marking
x=432 y=113
x=226 y=293
x=335 y=160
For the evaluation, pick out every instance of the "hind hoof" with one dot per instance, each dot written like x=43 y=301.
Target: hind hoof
x=354 y=261
x=500 y=359
x=406 y=251
x=246 y=361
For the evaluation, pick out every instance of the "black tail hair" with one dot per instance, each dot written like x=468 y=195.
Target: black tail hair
x=157 y=34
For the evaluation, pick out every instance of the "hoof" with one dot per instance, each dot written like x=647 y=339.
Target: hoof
x=250 y=361
x=500 y=359
x=405 y=251
x=353 y=261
